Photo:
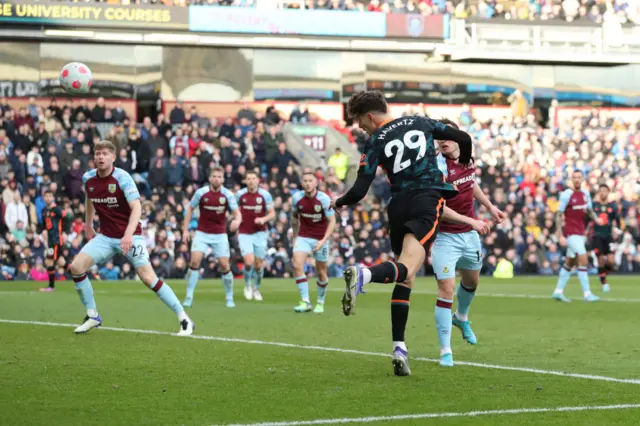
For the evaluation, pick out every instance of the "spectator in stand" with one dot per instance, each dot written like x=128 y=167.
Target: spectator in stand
x=523 y=167
x=73 y=181
x=300 y=113
x=177 y=115
x=340 y=163
x=15 y=212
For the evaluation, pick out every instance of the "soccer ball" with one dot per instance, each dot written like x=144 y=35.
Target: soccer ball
x=75 y=78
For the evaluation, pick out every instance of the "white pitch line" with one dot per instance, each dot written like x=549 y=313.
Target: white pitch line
x=417 y=291
x=340 y=350
x=441 y=415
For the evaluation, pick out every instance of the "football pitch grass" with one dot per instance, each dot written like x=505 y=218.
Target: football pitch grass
x=537 y=362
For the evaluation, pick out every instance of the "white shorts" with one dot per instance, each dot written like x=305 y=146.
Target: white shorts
x=219 y=244
x=576 y=245
x=101 y=249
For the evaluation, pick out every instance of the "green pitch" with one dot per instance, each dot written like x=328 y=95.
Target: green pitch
x=261 y=362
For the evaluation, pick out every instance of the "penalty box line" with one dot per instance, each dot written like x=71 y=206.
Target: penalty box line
x=340 y=350
x=443 y=415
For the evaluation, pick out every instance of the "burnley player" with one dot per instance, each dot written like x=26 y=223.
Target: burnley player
x=458 y=246
x=609 y=214
x=214 y=201
x=256 y=206
x=312 y=221
x=113 y=196
x=405 y=149
x=52 y=216
x=575 y=205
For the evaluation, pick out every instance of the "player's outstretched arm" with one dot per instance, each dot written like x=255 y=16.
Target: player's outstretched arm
x=498 y=215
x=357 y=191
x=449 y=133
x=449 y=215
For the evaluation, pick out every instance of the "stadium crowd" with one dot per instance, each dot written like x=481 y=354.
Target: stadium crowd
x=522 y=165
x=598 y=11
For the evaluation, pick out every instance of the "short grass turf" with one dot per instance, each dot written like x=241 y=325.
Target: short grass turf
x=50 y=376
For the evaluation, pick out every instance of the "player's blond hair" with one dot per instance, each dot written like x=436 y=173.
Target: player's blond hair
x=217 y=169
x=105 y=145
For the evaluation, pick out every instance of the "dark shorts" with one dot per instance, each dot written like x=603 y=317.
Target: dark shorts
x=54 y=251
x=415 y=212
x=601 y=245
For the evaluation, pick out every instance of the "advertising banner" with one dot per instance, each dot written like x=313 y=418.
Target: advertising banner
x=416 y=26
x=93 y=14
x=286 y=21
x=314 y=136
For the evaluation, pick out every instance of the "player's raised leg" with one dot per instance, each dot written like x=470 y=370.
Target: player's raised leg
x=445 y=253
x=464 y=295
x=166 y=294
x=193 y=275
x=469 y=266
x=300 y=254
x=79 y=267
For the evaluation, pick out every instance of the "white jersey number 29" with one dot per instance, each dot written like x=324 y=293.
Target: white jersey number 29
x=407 y=141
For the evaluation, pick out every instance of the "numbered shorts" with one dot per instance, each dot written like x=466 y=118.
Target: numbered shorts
x=576 y=245
x=414 y=212
x=101 y=249
x=306 y=245
x=601 y=245
x=456 y=251
x=219 y=244
x=255 y=244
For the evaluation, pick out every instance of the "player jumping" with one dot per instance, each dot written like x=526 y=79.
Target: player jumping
x=458 y=246
x=112 y=194
x=214 y=201
x=256 y=206
x=405 y=149
x=312 y=221
x=575 y=204
x=609 y=214
x=52 y=216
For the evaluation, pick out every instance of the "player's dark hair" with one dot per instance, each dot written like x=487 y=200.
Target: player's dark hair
x=577 y=171
x=365 y=102
x=48 y=191
x=448 y=122
x=604 y=185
